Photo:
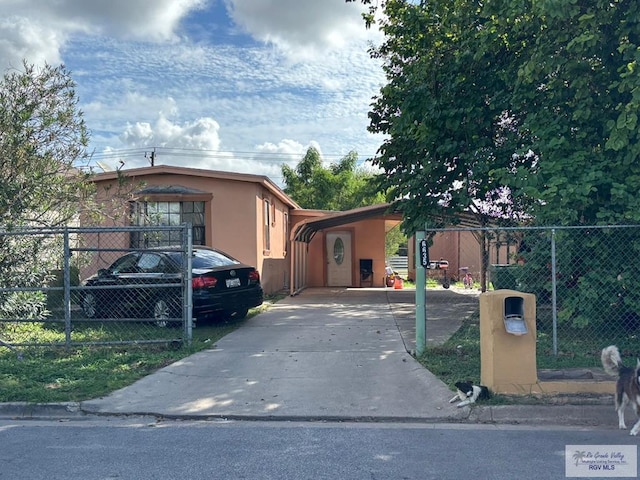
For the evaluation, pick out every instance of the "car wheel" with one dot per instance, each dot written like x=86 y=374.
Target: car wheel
x=90 y=306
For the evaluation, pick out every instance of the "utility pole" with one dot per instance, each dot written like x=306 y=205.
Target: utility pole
x=151 y=157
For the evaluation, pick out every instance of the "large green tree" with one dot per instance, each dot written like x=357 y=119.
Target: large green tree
x=535 y=98
x=533 y=101
x=340 y=186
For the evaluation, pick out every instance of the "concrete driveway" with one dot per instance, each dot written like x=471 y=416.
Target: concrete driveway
x=324 y=354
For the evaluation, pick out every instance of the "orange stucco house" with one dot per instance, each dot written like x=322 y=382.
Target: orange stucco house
x=251 y=218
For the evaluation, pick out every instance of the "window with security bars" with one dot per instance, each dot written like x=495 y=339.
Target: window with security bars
x=167 y=214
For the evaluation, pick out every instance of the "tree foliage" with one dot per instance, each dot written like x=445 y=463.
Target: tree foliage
x=537 y=100
x=341 y=186
x=42 y=140
x=535 y=97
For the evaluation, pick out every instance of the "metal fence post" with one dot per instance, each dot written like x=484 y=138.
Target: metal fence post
x=554 y=310
x=187 y=249
x=66 y=276
x=421 y=285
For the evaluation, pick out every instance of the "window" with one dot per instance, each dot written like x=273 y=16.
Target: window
x=338 y=251
x=267 y=226
x=167 y=214
x=149 y=262
x=285 y=228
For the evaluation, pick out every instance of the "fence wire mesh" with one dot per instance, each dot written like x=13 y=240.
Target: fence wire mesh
x=101 y=286
x=584 y=280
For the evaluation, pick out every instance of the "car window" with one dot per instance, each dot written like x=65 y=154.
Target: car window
x=211 y=258
x=149 y=262
x=126 y=264
x=171 y=264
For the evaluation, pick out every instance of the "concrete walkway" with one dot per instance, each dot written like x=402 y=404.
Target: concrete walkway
x=445 y=311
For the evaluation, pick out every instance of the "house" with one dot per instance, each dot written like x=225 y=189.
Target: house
x=244 y=215
x=252 y=219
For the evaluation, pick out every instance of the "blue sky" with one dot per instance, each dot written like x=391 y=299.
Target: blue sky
x=233 y=85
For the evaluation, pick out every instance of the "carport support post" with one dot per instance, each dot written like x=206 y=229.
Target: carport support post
x=421 y=280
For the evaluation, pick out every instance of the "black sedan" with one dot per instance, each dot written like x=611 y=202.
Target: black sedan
x=148 y=284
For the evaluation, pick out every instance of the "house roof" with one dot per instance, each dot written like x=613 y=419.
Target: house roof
x=187 y=171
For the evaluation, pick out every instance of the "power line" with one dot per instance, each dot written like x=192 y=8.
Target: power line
x=154 y=152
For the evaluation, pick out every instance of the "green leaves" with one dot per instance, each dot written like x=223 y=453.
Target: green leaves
x=539 y=97
x=341 y=186
x=42 y=145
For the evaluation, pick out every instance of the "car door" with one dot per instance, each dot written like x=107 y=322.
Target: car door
x=108 y=285
x=140 y=283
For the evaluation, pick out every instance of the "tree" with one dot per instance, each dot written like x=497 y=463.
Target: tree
x=535 y=97
x=442 y=110
x=42 y=140
x=341 y=186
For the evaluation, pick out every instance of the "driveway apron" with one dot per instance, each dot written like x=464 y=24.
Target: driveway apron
x=326 y=354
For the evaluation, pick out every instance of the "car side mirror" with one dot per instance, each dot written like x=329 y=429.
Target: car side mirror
x=102 y=272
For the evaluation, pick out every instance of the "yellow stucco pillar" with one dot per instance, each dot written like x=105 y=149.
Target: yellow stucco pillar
x=508 y=360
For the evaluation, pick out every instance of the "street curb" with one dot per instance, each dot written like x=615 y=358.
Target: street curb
x=25 y=410
x=578 y=415
x=532 y=415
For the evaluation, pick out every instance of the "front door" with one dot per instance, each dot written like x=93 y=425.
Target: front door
x=339 y=259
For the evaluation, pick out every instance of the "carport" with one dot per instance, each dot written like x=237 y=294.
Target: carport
x=304 y=231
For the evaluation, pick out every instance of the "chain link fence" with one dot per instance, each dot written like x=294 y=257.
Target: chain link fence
x=584 y=279
x=95 y=286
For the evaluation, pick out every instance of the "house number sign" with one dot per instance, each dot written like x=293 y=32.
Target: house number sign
x=424 y=254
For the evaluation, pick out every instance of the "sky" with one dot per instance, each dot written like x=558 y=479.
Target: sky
x=233 y=85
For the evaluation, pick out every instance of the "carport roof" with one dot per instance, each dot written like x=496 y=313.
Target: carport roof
x=305 y=230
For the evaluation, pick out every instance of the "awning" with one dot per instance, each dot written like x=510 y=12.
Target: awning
x=305 y=230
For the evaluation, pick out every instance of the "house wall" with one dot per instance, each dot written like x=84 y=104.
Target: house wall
x=367 y=241
x=460 y=248
x=234 y=218
x=272 y=262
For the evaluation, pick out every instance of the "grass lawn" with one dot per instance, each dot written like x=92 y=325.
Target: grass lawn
x=58 y=375
x=44 y=375
x=459 y=357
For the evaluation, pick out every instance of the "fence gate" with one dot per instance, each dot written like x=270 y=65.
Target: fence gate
x=95 y=286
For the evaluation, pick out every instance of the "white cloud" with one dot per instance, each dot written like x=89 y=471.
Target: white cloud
x=200 y=134
x=21 y=38
x=38 y=30
x=303 y=29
